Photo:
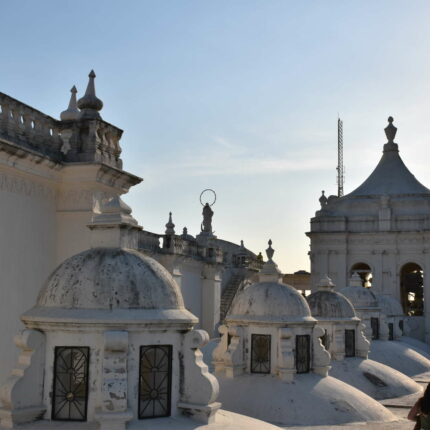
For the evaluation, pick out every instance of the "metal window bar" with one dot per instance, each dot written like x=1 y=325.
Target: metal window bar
x=260 y=353
x=70 y=385
x=401 y=325
x=390 y=331
x=349 y=343
x=374 y=323
x=303 y=353
x=155 y=381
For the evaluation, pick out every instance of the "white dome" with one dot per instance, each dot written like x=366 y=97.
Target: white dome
x=360 y=297
x=110 y=283
x=270 y=301
x=390 y=306
x=330 y=305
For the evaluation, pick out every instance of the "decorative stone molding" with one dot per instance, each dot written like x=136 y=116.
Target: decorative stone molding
x=321 y=358
x=114 y=413
x=19 y=185
x=199 y=389
x=22 y=394
x=233 y=357
x=363 y=345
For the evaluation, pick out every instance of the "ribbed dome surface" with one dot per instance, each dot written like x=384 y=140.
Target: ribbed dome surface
x=330 y=304
x=270 y=301
x=110 y=278
x=390 y=306
x=360 y=297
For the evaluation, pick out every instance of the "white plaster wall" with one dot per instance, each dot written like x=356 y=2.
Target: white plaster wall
x=73 y=235
x=191 y=287
x=27 y=255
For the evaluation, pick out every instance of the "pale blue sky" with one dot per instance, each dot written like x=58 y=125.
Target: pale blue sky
x=238 y=96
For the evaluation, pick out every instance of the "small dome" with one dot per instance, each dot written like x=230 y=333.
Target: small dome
x=106 y=281
x=390 y=306
x=360 y=297
x=330 y=305
x=270 y=301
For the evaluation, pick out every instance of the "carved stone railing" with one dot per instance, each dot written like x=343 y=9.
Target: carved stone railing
x=149 y=241
x=92 y=140
x=29 y=128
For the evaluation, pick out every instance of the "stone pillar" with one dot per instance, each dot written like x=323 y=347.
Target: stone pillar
x=211 y=298
x=114 y=413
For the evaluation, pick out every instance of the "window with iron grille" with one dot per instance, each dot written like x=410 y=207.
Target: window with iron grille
x=390 y=331
x=349 y=343
x=70 y=391
x=374 y=324
x=260 y=353
x=303 y=353
x=155 y=381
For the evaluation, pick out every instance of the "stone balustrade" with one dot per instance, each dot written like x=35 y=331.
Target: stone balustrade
x=28 y=127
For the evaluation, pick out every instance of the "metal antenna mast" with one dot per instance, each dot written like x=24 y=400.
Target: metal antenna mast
x=340 y=167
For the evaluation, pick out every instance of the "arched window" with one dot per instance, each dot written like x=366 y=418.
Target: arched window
x=411 y=289
x=70 y=396
x=349 y=343
x=155 y=381
x=303 y=353
x=365 y=273
x=260 y=353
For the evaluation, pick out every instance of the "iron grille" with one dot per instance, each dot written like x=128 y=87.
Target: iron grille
x=349 y=343
x=155 y=381
x=260 y=353
x=303 y=353
x=390 y=331
x=70 y=397
x=374 y=323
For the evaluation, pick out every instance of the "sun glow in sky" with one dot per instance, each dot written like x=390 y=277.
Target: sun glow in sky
x=238 y=96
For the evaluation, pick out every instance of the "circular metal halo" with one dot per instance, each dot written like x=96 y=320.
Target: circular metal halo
x=210 y=190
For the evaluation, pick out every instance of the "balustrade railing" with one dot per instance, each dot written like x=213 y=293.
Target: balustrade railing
x=28 y=127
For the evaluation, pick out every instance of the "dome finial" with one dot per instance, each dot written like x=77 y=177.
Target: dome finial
x=356 y=280
x=89 y=104
x=270 y=251
x=72 y=112
x=390 y=130
x=326 y=283
x=170 y=227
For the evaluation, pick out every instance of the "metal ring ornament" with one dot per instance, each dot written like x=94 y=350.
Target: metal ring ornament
x=210 y=190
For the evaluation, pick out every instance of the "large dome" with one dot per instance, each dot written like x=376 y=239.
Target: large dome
x=330 y=305
x=360 y=297
x=390 y=306
x=118 y=282
x=270 y=301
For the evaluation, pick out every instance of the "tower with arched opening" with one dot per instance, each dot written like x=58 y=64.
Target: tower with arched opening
x=380 y=231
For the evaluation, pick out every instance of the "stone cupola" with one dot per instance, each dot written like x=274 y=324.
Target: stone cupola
x=269 y=330
x=109 y=340
x=367 y=308
x=343 y=335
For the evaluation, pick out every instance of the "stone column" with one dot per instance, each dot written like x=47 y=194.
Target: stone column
x=211 y=298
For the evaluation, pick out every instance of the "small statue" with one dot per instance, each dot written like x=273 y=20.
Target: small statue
x=207 y=218
x=323 y=200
